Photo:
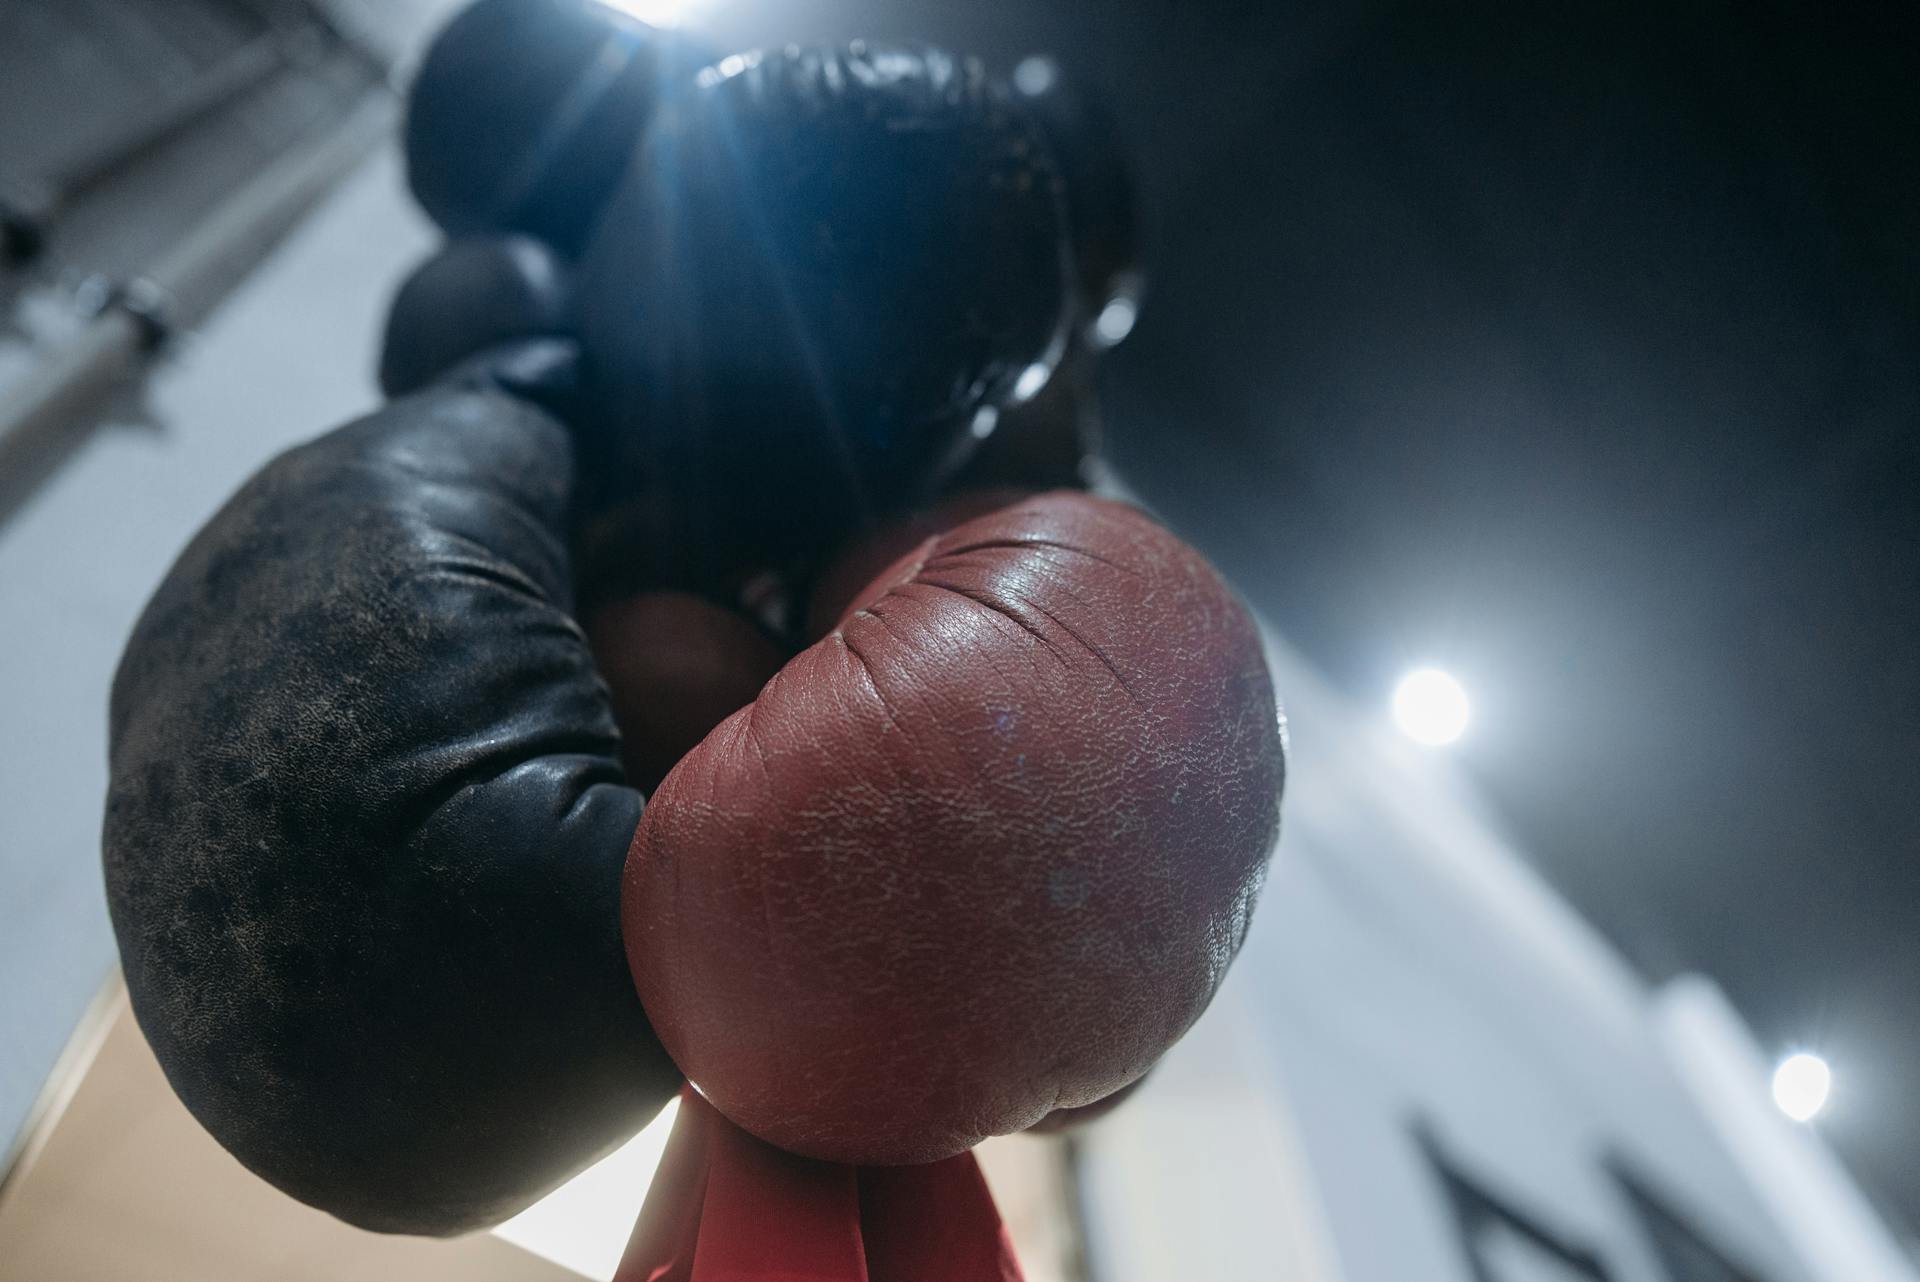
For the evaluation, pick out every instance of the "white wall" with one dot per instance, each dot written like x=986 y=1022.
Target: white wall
x=1406 y=968
x=289 y=355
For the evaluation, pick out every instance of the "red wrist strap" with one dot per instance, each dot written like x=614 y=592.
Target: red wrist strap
x=726 y=1207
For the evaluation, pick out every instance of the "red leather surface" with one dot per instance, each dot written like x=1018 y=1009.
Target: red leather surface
x=983 y=851
x=1068 y=1119
x=725 y=1207
x=853 y=569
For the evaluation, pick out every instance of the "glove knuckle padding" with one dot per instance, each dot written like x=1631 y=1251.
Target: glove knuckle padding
x=365 y=824
x=984 y=850
x=471 y=294
x=523 y=112
x=814 y=273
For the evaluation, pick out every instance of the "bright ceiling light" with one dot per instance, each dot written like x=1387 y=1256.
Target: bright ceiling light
x=584 y=1224
x=1430 y=707
x=655 y=13
x=1035 y=75
x=1801 y=1085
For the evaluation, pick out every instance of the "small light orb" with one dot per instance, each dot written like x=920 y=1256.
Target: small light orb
x=1430 y=707
x=1031 y=380
x=1801 y=1085
x=1034 y=76
x=1115 y=321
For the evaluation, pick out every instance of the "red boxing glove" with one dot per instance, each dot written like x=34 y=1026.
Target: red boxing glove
x=983 y=851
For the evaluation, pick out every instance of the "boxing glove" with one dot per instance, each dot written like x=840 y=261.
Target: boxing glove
x=469 y=295
x=821 y=268
x=1102 y=207
x=981 y=852
x=524 y=112
x=1062 y=1120
x=367 y=817
x=676 y=664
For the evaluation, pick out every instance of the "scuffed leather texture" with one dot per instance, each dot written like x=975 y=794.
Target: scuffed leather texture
x=984 y=851
x=366 y=821
x=821 y=264
x=852 y=568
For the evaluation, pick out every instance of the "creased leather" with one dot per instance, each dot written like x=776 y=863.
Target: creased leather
x=366 y=820
x=984 y=850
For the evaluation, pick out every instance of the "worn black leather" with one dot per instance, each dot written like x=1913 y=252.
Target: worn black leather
x=821 y=266
x=1096 y=171
x=366 y=820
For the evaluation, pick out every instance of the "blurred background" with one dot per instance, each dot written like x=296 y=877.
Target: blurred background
x=1571 y=352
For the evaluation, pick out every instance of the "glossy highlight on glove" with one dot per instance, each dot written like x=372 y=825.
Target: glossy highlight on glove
x=523 y=114
x=820 y=265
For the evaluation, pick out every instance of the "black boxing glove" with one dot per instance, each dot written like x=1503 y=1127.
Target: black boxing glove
x=1102 y=207
x=469 y=295
x=367 y=817
x=824 y=271
x=524 y=113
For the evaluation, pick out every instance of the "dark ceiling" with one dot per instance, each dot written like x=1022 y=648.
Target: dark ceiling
x=1582 y=355
x=1575 y=348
